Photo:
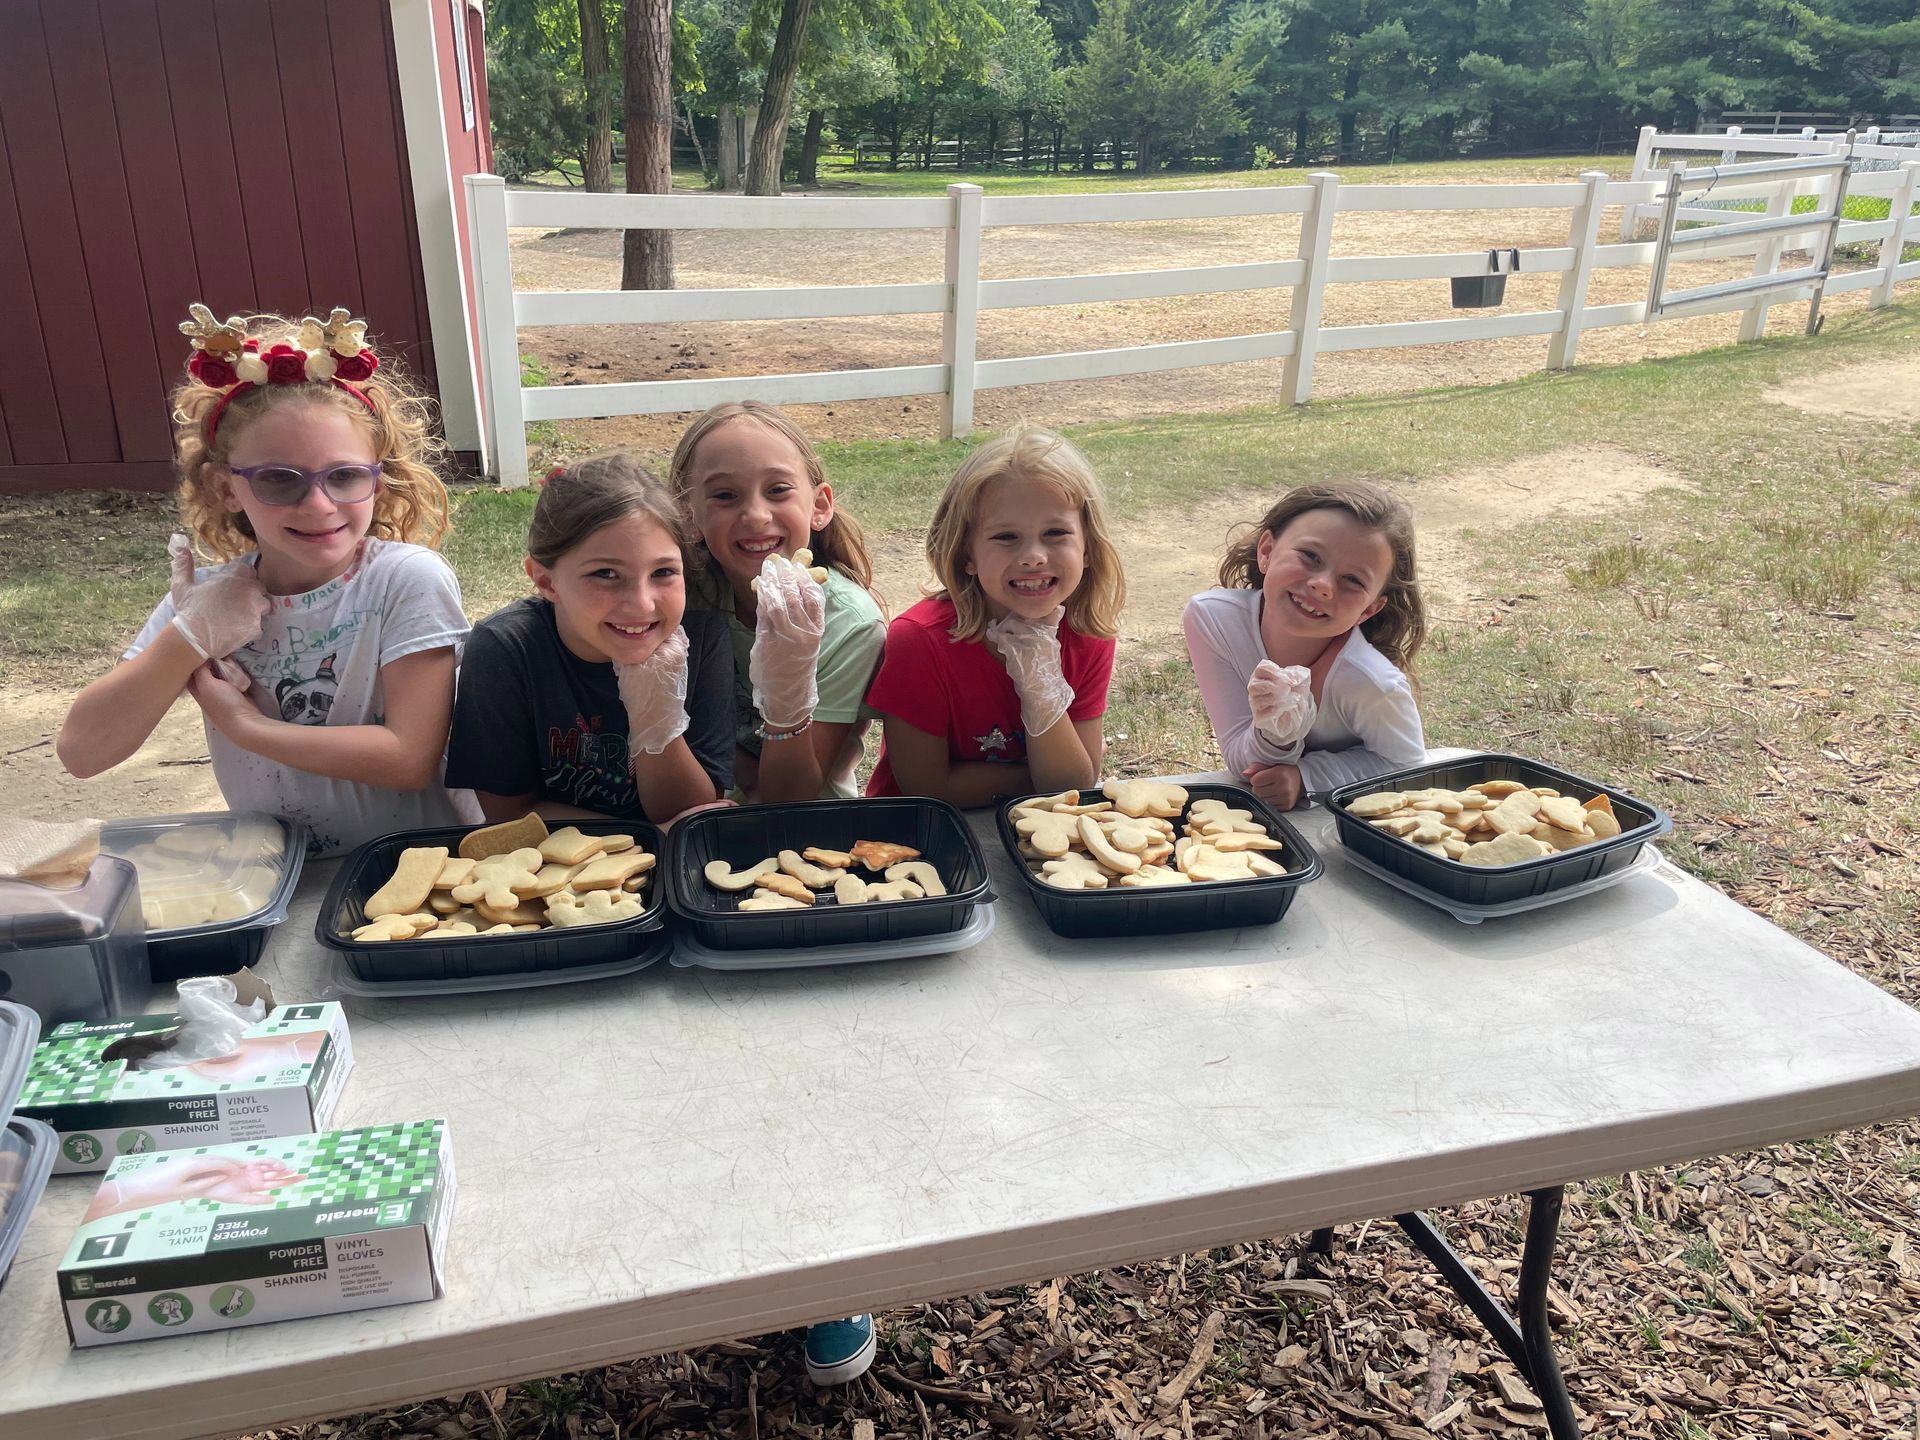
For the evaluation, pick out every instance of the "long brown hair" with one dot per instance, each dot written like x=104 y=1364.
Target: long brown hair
x=587 y=496
x=1027 y=455
x=411 y=503
x=840 y=544
x=1399 y=628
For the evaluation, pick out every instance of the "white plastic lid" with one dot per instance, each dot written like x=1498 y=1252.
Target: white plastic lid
x=206 y=873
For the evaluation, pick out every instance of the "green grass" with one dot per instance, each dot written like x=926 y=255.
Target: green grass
x=904 y=181
x=838 y=175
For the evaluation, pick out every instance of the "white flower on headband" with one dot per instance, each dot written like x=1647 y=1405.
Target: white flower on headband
x=344 y=335
x=251 y=368
x=321 y=365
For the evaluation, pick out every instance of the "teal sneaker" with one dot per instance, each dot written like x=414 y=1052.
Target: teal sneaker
x=839 y=1350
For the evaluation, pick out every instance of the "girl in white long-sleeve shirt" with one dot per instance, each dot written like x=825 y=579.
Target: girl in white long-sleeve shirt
x=1304 y=652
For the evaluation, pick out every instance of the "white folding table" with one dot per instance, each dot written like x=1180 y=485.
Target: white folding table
x=655 y=1162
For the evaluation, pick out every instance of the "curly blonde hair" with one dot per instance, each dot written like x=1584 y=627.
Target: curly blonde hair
x=412 y=501
x=840 y=543
x=1026 y=455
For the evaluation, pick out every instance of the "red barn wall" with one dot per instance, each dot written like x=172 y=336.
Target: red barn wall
x=248 y=153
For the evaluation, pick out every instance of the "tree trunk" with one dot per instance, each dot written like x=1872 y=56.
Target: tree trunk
x=647 y=256
x=1086 y=157
x=749 y=123
x=1026 y=136
x=728 y=157
x=926 y=152
x=993 y=140
x=1300 y=126
x=810 y=148
x=598 y=168
x=776 y=104
x=699 y=150
x=1350 y=117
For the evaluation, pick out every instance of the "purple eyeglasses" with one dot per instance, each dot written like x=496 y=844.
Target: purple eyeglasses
x=280 y=485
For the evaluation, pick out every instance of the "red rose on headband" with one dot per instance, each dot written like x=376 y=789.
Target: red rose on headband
x=211 y=370
x=357 y=367
x=286 y=365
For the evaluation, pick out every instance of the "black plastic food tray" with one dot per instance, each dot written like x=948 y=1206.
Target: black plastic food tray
x=1498 y=885
x=477 y=956
x=1163 y=910
x=746 y=834
x=227 y=946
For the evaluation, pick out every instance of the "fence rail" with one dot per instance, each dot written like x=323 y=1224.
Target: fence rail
x=962 y=294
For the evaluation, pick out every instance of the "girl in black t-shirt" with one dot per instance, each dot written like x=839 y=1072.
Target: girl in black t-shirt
x=599 y=695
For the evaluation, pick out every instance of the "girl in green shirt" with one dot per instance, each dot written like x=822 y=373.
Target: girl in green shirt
x=804 y=650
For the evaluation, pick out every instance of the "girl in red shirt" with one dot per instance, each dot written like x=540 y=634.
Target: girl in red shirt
x=996 y=684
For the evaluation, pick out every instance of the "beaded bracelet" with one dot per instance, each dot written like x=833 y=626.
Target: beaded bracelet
x=778 y=735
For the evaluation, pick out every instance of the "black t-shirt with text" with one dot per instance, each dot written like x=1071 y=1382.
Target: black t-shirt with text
x=531 y=717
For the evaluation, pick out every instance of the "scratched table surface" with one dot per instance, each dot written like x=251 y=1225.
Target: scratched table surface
x=680 y=1155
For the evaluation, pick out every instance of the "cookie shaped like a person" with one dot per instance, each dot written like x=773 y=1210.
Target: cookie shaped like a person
x=1325 y=586
x=997 y=683
x=306 y=475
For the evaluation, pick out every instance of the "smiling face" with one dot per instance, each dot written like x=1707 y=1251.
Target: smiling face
x=750 y=496
x=305 y=545
x=1026 y=548
x=1321 y=576
x=618 y=593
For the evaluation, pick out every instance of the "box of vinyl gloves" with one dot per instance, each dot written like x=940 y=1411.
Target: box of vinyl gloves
x=274 y=1230
x=284 y=1077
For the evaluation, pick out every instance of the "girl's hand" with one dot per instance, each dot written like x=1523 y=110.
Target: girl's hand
x=655 y=694
x=791 y=616
x=1283 y=705
x=1030 y=649
x=1278 y=785
x=218 y=615
x=225 y=704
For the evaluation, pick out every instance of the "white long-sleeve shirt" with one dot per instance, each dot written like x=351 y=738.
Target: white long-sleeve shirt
x=1368 y=721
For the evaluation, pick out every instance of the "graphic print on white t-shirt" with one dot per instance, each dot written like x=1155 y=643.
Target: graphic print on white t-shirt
x=308 y=700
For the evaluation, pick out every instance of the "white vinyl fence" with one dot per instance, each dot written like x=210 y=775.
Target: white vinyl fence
x=957 y=373
x=1872 y=152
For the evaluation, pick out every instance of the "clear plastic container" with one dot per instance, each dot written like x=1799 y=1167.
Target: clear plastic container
x=78 y=953
x=26 y=1159
x=212 y=885
x=19 y=1033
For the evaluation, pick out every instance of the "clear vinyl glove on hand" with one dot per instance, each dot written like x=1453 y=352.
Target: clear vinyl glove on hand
x=1030 y=649
x=1283 y=703
x=219 y=614
x=790 y=618
x=655 y=694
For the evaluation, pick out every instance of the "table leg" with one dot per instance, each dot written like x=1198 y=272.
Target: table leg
x=1528 y=1344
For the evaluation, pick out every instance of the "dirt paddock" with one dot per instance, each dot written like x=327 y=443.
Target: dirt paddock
x=590 y=260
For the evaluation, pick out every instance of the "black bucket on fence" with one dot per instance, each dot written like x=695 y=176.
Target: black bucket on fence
x=1483 y=292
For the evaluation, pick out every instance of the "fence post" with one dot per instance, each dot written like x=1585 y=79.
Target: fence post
x=1642 y=170
x=1583 y=235
x=1900 y=212
x=1753 y=324
x=1316 y=243
x=1732 y=152
x=504 y=422
x=960 y=327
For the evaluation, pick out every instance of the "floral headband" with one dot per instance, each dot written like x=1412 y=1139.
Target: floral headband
x=332 y=351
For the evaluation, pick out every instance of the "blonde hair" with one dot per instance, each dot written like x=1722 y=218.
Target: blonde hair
x=1399 y=628
x=1026 y=455
x=411 y=503
x=840 y=543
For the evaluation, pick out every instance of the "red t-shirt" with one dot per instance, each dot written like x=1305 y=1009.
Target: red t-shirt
x=961 y=690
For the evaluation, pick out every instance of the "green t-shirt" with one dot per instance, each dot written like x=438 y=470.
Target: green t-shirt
x=850 y=647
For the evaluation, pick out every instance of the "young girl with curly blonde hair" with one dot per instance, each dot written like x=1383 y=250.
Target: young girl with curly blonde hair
x=321 y=644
